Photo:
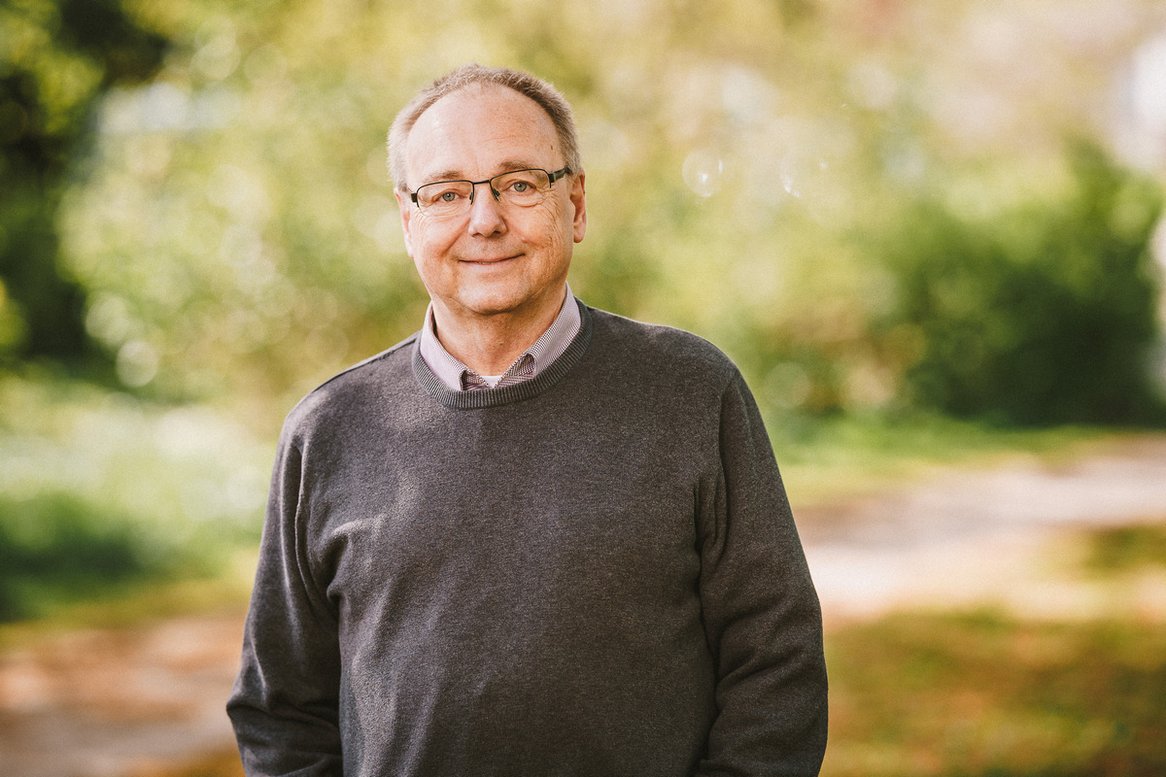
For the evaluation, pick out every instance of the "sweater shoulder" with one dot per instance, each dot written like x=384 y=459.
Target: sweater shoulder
x=347 y=394
x=664 y=349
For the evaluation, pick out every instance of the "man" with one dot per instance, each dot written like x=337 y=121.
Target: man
x=536 y=538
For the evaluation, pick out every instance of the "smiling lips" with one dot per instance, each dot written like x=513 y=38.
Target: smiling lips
x=491 y=259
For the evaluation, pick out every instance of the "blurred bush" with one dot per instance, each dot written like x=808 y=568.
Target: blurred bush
x=1041 y=313
x=55 y=547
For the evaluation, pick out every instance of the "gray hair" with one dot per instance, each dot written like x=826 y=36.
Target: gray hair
x=542 y=92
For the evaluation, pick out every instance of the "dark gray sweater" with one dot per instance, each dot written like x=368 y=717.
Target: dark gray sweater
x=592 y=573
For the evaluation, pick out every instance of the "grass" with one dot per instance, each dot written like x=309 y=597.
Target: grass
x=988 y=694
x=825 y=459
x=1122 y=549
x=955 y=695
x=104 y=497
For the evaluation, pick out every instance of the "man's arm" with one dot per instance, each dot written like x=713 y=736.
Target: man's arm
x=761 y=612
x=284 y=706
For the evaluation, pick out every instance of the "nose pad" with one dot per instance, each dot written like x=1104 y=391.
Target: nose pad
x=497 y=195
x=486 y=217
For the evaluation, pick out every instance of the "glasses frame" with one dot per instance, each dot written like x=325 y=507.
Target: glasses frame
x=562 y=172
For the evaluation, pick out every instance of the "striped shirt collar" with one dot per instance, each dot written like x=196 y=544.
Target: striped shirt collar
x=531 y=362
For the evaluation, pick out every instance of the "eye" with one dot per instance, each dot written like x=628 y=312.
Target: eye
x=523 y=187
x=443 y=194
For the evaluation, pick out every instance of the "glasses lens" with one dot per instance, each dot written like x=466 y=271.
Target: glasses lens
x=522 y=187
x=445 y=197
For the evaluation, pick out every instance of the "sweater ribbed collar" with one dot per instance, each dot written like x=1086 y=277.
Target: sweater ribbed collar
x=493 y=397
x=548 y=347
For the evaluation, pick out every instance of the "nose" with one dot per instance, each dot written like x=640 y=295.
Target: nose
x=485 y=212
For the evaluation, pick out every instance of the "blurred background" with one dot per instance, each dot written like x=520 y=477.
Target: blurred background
x=931 y=235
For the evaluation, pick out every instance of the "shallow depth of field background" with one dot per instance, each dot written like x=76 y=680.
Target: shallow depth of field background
x=931 y=235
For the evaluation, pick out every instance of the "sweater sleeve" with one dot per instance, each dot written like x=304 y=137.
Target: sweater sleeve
x=284 y=706
x=761 y=612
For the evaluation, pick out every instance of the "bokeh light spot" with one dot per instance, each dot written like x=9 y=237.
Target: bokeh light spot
x=702 y=172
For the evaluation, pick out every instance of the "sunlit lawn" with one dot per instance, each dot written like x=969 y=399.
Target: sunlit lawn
x=824 y=460
x=983 y=694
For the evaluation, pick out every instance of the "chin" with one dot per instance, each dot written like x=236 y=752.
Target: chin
x=493 y=306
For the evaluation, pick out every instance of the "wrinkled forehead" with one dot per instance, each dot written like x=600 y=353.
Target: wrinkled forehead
x=481 y=130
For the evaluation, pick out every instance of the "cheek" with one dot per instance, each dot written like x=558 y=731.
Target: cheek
x=428 y=244
x=551 y=231
x=426 y=259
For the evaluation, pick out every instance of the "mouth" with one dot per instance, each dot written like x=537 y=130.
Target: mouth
x=489 y=260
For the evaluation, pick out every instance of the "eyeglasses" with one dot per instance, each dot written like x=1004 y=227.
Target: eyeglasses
x=521 y=188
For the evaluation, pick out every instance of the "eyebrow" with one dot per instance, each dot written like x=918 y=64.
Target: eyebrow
x=508 y=165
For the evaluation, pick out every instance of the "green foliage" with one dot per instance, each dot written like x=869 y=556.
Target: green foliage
x=234 y=234
x=55 y=547
x=1041 y=313
x=56 y=61
x=958 y=695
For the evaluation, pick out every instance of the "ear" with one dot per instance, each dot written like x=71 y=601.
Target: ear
x=579 y=200
x=405 y=206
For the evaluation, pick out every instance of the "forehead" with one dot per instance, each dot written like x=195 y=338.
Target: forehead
x=480 y=130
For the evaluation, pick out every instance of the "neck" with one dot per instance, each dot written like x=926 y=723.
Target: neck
x=489 y=344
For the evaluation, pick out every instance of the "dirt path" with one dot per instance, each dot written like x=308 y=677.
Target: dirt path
x=116 y=703
x=999 y=536
x=134 y=702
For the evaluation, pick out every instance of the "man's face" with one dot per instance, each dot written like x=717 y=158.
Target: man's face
x=495 y=258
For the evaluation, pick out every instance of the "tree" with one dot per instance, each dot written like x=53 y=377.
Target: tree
x=56 y=61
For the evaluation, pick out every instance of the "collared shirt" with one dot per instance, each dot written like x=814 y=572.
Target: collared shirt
x=548 y=347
